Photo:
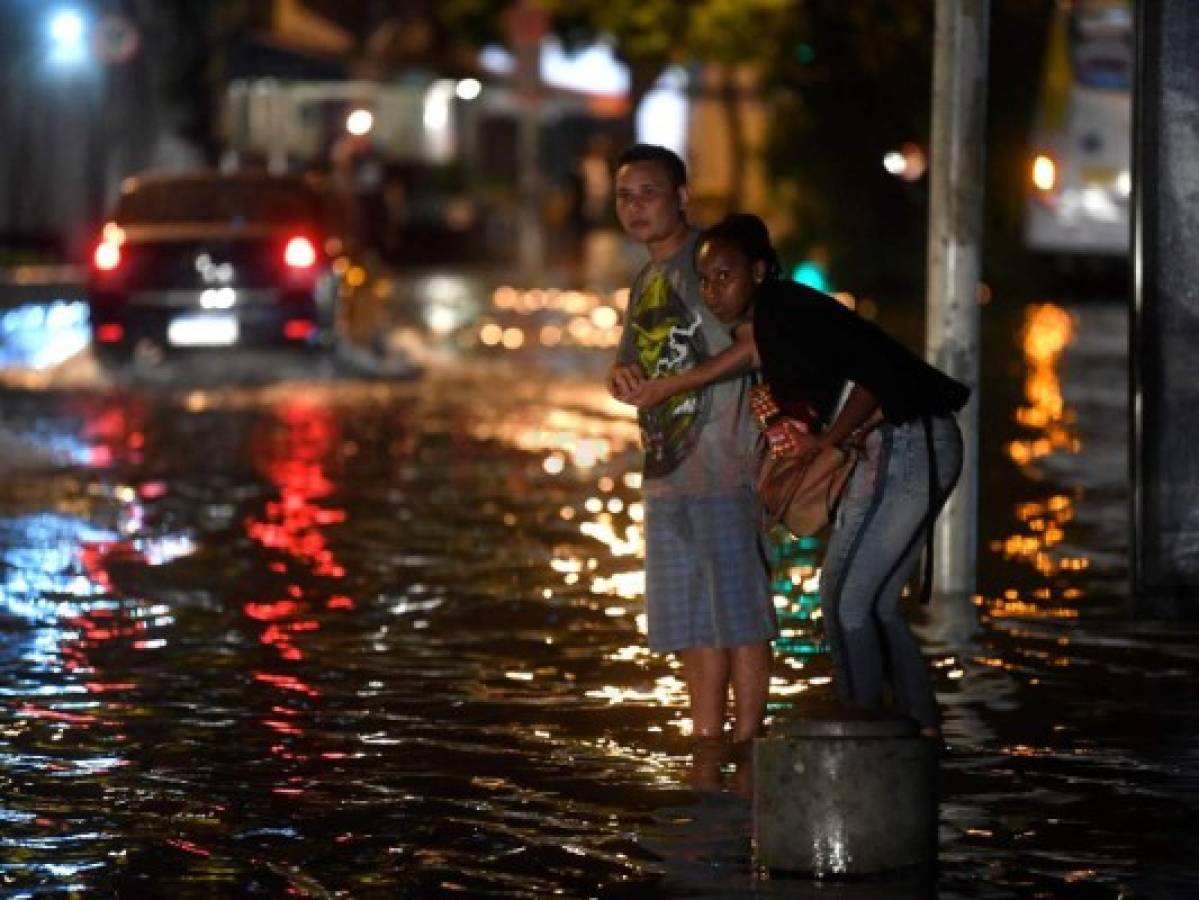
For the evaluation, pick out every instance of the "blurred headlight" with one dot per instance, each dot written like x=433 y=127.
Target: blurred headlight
x=1044 y=173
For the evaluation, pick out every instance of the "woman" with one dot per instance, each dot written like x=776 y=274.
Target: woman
x=808 y=346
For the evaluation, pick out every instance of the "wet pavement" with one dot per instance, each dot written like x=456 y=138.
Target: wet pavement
x=285 y=627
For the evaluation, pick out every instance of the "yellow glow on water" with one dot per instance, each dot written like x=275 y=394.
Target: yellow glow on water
x=1048 y=330
x=513 y=338
x=582 y=319
x=605 y=318
x=504 y=297
x=630 y=545
x=625 y=585
x=631 y=653
x=668 y=691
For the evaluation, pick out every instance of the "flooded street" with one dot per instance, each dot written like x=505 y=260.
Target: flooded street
x=285 y=628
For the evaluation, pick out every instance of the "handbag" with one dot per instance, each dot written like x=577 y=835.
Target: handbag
x=799 y=490
x=803 y=494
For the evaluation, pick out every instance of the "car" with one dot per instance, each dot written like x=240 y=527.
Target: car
x=212 y=259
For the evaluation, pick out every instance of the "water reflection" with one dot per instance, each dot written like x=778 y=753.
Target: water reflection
x=39 y=336
x=1048 y=331
x=377 y=638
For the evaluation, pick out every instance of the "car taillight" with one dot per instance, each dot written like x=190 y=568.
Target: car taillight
x=299 y=253
x=107 y=256
x=298 y=329
x=110 y=333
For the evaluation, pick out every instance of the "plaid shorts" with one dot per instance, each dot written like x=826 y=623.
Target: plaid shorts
x=707 y=575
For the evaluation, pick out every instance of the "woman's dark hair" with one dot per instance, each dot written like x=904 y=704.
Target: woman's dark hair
x=676 y=169
x=749 y=234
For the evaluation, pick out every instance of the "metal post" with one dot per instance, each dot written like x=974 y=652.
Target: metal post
x=1164 y=375
x=954 y=239
x=530 y=248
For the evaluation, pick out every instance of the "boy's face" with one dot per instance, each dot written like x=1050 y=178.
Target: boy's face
x=649 y=207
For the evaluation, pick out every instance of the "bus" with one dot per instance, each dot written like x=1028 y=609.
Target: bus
x=1079 y=174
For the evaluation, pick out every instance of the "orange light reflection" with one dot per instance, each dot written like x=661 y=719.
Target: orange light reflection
x=1048 y=331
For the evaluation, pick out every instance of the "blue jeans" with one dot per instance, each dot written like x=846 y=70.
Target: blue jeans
x=874 y=549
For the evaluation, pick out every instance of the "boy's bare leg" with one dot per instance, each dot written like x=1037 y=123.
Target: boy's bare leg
x=751 y=684
x=706 y=671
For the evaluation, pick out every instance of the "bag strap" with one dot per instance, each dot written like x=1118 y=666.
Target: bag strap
x=840 y=404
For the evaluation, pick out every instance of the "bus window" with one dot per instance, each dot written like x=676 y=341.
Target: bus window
x=1101 y=47
x=1079 y=173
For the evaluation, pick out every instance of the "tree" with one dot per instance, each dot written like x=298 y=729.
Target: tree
x=649 y=36
x=852 y=81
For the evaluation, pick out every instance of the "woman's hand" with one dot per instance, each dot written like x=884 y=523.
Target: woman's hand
x=788 y=438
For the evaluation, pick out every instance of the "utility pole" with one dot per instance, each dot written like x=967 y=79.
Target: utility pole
x=527 y=23
x=954 y=245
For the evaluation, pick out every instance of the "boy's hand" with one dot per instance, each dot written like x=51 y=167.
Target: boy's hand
x=624 y=381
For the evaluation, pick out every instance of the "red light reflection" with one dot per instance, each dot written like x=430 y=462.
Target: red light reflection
x=115 y=432
x=293 y=451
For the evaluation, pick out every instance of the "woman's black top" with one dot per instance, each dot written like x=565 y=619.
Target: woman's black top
x=810 y=344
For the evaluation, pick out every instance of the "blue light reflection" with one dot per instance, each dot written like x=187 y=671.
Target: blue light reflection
x=43 y=335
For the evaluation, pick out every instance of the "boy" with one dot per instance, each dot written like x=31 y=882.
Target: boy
x=707 y=578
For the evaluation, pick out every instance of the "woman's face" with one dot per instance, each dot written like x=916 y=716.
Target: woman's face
x=727 y=279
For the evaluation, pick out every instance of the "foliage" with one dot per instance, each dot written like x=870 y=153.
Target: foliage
x=1018 y=34
x=652 y=35
x=854 y=80
x=850 y=82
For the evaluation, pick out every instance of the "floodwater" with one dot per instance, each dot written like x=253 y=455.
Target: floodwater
x=273 y=628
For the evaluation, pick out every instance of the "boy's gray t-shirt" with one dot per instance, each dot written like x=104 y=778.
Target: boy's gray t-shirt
x=695 y=443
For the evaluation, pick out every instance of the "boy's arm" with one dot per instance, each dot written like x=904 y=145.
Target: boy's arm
x=625 y=375
x=740 y=357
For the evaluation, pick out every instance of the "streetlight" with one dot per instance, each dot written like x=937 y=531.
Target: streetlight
x=909 y=162
x=68 y=37
x=360 y=122
x=468 y=88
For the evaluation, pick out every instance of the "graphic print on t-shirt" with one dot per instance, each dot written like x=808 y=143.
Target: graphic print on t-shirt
x=669 y=339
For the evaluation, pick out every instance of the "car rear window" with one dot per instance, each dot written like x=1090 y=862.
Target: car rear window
x=214 y=202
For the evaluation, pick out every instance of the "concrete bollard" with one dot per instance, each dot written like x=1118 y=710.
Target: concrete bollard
x=847 y=794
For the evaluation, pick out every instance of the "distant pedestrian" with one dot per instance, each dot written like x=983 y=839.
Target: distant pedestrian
x=707 y=577
x=808 y=346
